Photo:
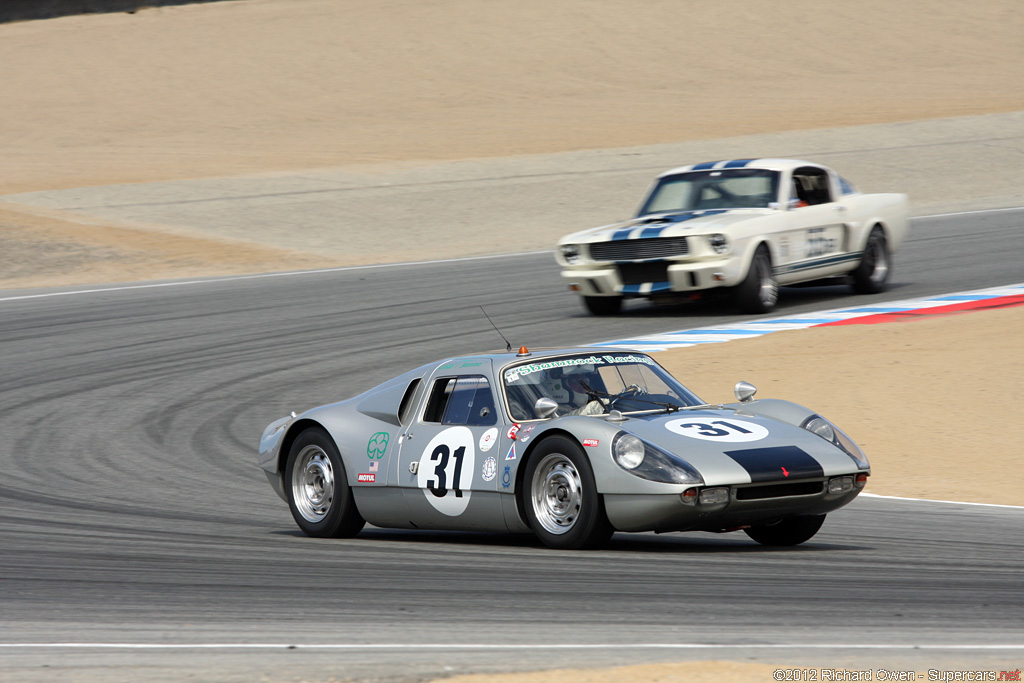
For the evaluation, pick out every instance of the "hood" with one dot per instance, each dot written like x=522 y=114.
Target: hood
x=732 y=446
x=665 y=225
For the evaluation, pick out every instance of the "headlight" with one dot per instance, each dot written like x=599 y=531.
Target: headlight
x=628 y=451
x=719 y=243
x=838 y=438
x=571 y=253
x=650 y=462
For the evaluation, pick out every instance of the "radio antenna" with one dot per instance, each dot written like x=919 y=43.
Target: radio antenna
x=508 y=345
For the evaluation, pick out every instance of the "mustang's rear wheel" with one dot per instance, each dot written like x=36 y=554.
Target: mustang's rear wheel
x=561 y=499
x=758 y=292
x=318 y=492
x=791 y=531
x=603 y=305
x=872 y=275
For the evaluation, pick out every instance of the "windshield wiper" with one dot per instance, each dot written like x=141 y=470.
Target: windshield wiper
x=669 y=407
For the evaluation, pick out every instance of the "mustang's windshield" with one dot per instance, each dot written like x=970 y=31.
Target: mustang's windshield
x=592 y=384
x=727 y=188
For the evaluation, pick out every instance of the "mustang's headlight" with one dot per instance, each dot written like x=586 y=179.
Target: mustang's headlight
x=650 y=462
x=719 y=243
x=837 y=437
x=571 y=253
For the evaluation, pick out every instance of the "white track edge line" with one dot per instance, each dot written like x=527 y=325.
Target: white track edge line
x=233 y=278
x=945 y=502
x=517 y=646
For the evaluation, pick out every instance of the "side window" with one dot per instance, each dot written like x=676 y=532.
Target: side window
x=408 y=400
x=810 y=186
x=461 y=401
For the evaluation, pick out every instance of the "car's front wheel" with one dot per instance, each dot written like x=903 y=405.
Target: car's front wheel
x=561 y=500
x=872 y=275
x=790 y=531
x=603 y=305
x=318 y=492
x=759 y=291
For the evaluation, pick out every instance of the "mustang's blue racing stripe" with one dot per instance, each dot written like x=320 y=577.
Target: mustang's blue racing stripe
x=777 y=464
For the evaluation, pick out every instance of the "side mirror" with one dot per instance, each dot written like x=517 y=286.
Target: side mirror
x=545 y=407
x=744 y=392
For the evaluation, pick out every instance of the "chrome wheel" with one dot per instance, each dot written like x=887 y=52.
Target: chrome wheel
x=768 y=291
x=557 y=494
x=878 y=258
x=875 y=266
x=313 y=484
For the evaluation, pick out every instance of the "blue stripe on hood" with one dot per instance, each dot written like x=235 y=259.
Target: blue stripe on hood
x=664 y=222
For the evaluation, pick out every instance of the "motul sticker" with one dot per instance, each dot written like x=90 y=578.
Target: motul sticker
x=367 y=478
x=591 y=443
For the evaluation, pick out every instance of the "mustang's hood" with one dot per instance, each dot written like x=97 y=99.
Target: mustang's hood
x=666 y=225
x=730 y=446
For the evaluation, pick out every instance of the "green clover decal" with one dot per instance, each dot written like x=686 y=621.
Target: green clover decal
x=376 y=446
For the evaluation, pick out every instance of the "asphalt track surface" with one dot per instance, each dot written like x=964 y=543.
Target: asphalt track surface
x=139 y=540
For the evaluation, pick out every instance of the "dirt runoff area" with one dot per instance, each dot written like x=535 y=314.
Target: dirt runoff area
x=260 y=86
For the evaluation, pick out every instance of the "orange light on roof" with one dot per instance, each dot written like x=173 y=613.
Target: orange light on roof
x=523 y=350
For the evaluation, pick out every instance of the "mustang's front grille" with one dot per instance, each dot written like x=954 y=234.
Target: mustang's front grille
x=806 y=488
x=640 y=273
x=632 y=250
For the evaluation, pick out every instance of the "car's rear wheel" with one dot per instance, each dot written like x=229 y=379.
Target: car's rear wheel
x=790 y=531
x=562 y=504
x=759 y=291
x=318 y=492
x=872 y=275
x=603 y=305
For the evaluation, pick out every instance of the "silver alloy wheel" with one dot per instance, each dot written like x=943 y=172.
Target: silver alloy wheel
x=768 y=290
x=313 y=484
x=879 y=260
x=557 y=494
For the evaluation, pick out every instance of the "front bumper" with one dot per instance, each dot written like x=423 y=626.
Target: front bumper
x=667 y=512
x=651 y=278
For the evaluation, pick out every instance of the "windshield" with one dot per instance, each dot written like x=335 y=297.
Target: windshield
x=733 y=188
x=590 y=384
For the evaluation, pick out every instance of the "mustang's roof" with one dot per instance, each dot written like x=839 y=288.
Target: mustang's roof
x=769 y=164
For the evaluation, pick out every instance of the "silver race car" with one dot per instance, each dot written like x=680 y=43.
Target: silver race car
x=570 y=445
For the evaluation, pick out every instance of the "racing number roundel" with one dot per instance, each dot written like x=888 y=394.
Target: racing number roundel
x=446 y=470
x=718 y=430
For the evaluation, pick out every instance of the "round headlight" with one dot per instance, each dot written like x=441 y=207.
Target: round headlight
x=821 y=427
x=719 y=243
x=628 y=451
x=570 y=252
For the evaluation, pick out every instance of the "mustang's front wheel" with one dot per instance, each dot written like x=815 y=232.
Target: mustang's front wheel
x=791 y=531
x=561 y=499
x=318 y=492
x=759 y=291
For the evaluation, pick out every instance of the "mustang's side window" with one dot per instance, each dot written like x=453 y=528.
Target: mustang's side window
x=810 y=186
x=461 y=401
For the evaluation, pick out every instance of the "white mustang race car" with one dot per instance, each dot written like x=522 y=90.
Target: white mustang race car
x=747 y=224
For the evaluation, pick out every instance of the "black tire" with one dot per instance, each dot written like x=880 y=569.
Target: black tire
x=603 y=305
x=758 y=292
x=872 y=275
x=560 y=497
x=790 y=531
x=317 y=487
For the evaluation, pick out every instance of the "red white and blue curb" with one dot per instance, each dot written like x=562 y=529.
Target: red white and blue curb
x=890 y=311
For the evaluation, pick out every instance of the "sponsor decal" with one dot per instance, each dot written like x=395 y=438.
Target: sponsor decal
x=512 y=431
x=366 y=478
x=733 y=431
x=373 y=466
x=488 y=439
x=516 y=373
x=506 y=478
x=591 y=443
x=490 y=469
x=445 y=471
x=376 y=446
x=511 y=452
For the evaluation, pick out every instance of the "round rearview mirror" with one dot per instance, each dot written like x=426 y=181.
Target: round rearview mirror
x=745 y=391
x=545 y=407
